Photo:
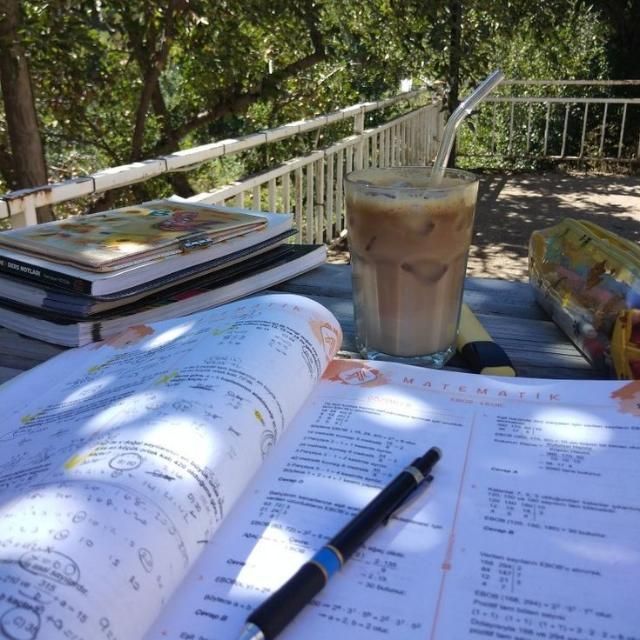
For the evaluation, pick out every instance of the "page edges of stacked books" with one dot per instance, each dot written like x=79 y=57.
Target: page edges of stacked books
x=75 y=306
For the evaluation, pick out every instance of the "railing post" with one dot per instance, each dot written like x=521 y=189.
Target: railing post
x=310 y=208
x=286 y=198
x=30 y=214
x=426 y=137
x=584 y=128
x=358 y=130
x=329 y=196
x=340 y=218
x=319 y=208
x=624 y=118
x=299 y=200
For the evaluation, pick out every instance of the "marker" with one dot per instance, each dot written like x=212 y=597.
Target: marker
x=275 y=613
x=477 y=347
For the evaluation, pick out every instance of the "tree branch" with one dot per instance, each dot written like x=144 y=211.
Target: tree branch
x=152 y=95
x=238 y=101
x=6 y=167
x=152 y=68
x=178 y=181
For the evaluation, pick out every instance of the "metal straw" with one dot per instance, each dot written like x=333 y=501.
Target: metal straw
x=463 y=110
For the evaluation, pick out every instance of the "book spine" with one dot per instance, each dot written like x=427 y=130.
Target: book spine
x=48 y=277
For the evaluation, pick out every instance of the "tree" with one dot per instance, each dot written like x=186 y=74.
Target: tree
x=143 y=78
x=623 y=42
x=25 y=165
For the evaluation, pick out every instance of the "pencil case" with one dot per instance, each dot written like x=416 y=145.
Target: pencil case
x=588 y=281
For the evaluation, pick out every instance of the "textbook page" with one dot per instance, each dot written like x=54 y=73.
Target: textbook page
x=528 y=530
x=120 y=460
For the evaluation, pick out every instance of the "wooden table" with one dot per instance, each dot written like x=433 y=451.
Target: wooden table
x=535 y=345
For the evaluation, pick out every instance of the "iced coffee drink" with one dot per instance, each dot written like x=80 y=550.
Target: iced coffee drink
x=409 y=243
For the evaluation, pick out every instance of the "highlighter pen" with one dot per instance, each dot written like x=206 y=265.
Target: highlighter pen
x=275 y=613
x=477 y=347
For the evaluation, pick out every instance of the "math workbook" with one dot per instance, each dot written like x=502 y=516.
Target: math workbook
x=162 y=483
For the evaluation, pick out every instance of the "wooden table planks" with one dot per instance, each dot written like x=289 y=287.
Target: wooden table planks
x=19 y=353
x=506 y=309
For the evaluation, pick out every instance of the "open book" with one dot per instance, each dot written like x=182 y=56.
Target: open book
x=161 y=484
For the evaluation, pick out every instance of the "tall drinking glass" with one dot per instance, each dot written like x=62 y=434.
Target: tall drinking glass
x=409 y=243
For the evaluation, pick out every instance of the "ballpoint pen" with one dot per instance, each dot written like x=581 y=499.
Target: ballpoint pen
x=273 y=615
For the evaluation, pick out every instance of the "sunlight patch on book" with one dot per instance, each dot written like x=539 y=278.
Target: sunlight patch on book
x=183 y=433
x=575 y=425
x=601 y=551
x=41 y=526
x=272 y=560
x=168 y=336
x=404 y=411
x=135 y=408
x=87 y=391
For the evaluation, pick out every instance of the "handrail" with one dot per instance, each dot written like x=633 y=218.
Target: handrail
x=557 y=99
x=26 y=201
x=509 y=127
x=608 y=83
x=576 y=128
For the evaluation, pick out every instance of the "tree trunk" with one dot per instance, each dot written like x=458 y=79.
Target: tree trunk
x=151 y=63
x=27 y=151
x=623 y=42
x=178 y=181
x=455 y=56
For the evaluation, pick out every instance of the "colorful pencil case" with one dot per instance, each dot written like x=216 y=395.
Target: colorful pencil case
x=588 y=280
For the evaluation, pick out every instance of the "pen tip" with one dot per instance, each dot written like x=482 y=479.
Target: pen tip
x=251 y=632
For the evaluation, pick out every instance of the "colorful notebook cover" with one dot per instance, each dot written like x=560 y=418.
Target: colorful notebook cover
x=110 y=240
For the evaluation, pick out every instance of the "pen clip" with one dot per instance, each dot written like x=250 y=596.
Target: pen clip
x=403 y=504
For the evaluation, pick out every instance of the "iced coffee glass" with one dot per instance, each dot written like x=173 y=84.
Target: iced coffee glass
x=409 y=243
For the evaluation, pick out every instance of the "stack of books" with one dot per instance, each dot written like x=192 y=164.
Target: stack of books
x=84 y=279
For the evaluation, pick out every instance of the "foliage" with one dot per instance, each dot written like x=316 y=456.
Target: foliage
x=578 y=52
x=127 y=79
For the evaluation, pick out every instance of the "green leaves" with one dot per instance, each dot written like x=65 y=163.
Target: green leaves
x=128 y=79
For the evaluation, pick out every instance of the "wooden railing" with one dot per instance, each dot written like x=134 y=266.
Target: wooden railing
x=541 y=121
x=560 y=126
x=309 y=186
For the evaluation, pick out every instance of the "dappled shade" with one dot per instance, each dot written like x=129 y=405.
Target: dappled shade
x=511 y=207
